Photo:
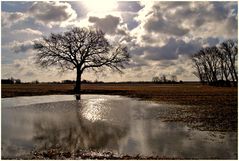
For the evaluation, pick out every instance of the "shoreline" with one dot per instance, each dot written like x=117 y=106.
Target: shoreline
x=204 y=108
x=213 y=108
x=92 y=155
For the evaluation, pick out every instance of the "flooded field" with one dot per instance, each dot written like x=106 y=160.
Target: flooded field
x=122 y=125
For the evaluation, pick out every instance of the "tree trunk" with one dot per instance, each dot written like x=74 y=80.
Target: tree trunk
x=78 y=81
x=234 y=72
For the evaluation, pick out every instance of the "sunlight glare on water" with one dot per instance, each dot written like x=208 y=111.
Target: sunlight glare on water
x=95 y=110
x=104 y=123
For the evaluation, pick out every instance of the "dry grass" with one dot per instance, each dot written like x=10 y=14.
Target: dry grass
x=215 y=107
x=187 y=93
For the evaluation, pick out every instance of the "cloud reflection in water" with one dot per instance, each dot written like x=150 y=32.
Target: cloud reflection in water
x=119 y=124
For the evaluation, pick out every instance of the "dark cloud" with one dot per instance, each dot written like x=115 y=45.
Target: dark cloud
x=151 y=38
x=167 y=52
x=181 y=18
x=219 y=10
x=17 y=65
x=199 y=13
x=212 y=41
x=187 y=48
x=232 y=25
x=52 y=13
x=108 y=24
x=157 y=23
x=196 y=10
x=171 y=50
x=15 y=6
x=199 y=21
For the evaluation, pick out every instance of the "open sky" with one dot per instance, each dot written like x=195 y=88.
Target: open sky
x=160 y=36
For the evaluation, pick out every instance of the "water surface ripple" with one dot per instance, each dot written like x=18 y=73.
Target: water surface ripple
x=104 y=123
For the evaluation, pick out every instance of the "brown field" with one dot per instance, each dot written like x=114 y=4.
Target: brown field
x=213 y=108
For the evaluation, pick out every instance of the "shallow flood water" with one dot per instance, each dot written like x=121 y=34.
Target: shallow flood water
x=104 y=123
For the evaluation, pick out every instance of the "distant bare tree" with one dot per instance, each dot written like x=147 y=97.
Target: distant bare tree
x=230 y=50
x=174 y=78
x=155 y=79
x=17 y=81
x=216 y=65
x=80 y=49
x=163 y=78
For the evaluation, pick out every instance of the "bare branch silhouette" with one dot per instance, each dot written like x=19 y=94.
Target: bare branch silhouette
x=80 y=49
x=217 y=65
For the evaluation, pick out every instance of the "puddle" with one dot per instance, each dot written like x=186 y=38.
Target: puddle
x=104 y=123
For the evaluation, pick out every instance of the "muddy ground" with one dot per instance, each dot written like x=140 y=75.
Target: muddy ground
x=211 y=108
x=206 y=108
x=57 y=154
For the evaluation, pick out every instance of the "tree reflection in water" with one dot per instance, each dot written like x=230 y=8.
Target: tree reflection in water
x=75 y=132
x=103 y=123
x=78 y=96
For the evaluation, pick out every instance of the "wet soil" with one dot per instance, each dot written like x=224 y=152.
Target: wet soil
x=211 y=108
x=57 y=154
x=206 y=108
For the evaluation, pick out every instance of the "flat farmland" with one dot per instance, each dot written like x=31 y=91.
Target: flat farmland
x=187 y=93
x=205 y=107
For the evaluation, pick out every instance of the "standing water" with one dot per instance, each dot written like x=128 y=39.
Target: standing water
x=104 y=123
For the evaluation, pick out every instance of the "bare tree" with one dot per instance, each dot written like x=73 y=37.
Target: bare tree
x=80 y=49
x=174 y=78
x=217 y=65
x=156 y=79
x=164 y=78
x=197 y=64
x=229 y=49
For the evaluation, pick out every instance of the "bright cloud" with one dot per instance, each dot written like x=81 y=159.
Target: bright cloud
x=52 y=13
x=9 y=18
x=27 y=31
x=160 y=35
x=99 y=6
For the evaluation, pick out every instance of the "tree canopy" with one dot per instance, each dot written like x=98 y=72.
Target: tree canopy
x=80 y=49
x=216 y=65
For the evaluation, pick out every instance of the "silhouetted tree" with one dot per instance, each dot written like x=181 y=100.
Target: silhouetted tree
x=7 y=81
x=155 y=79
x=217 y=65
x=163 y=78
x=174 y=78
x=229 y=49
x=35 y=82
x=17 y=81
x=80 y=49
x=81 y=133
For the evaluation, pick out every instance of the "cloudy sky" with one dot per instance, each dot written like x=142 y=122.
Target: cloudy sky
x=160 y=35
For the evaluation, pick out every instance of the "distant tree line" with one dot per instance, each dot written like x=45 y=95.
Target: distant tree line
x=11 y=81
x=216 y=65
x=164 y=79
x=73 y=81
x=18 y=81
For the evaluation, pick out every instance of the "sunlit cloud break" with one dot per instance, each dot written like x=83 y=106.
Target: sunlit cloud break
x=160 y=36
